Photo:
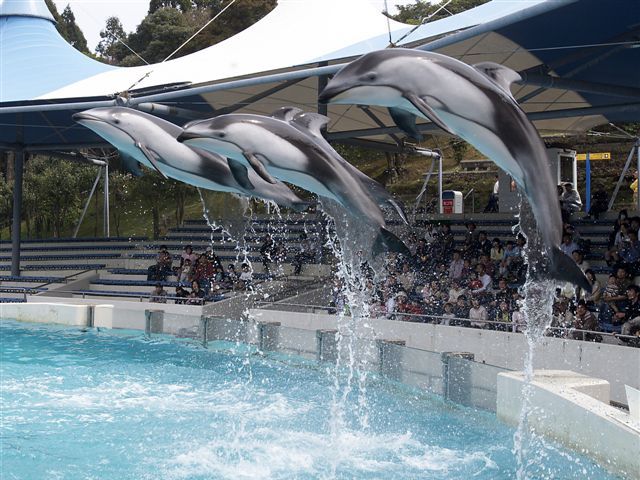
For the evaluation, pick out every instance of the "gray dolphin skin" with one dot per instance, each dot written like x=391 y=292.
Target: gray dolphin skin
x=474 y=103
x=152 y=142
x=276 y=148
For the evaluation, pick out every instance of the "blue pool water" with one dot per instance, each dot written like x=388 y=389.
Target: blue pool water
x=94 y=405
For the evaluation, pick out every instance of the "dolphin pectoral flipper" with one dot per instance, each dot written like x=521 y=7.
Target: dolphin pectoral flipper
x=258 y=166
x=427 y=111
x=130 y=164
x=151 y=156
x=406 y=122
x=499 y=74
x=241 y=174
x=564 y=268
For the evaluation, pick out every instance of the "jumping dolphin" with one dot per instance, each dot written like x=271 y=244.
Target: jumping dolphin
x=312 y=124
x=152 y=142
x=474 y=103
x=276 y=148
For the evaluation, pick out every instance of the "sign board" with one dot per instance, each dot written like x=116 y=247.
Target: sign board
x=594 y=156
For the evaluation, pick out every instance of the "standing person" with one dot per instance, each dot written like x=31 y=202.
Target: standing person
x=267 y=250
x=634 y=188
x=570 y=201
x=492 y=204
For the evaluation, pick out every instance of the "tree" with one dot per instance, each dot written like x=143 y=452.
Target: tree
x=159 y=34
x=417 y=12
x=110 y=49
x=182 y=5
x=68 y=28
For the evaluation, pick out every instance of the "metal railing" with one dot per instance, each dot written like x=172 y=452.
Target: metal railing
x=471 y=192
x=514 y=327
x=140 y=297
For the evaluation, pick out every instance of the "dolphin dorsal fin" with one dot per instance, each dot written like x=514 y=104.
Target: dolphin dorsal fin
x=313 y=123
x=499 y=74
x=286 y=113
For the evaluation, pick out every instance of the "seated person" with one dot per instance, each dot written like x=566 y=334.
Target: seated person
x=503 y=317
x=159 y=294
x=585 y=320
x=162 y=268
x=196 y=297
x=186 y=271
x=630 y=313
x=477 y=314
x=245 y=281
x=181 y=295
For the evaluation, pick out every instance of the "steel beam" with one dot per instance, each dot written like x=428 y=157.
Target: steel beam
x=18 y=171
x=547 y=81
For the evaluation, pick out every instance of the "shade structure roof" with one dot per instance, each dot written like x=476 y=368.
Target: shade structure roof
x=578 y=59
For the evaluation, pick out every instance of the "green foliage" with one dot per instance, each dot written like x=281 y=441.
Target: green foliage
x=416 y=13
x=171 y=22
x=52 y=194
x=110 y=49
x=68 y=28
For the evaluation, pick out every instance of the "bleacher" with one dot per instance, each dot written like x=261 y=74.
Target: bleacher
x=118 y=266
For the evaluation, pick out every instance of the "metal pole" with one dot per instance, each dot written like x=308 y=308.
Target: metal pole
x=623 y=173
x=106 y=200
x=587 y=174
x=440 y=183
x=322 y=83
x=638 y=173
x=18 y=171
x=86 y=205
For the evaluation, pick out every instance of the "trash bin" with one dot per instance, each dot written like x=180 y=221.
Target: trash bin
x=452 y=201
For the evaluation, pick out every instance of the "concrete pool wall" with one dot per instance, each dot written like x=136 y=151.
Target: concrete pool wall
x=450 y=361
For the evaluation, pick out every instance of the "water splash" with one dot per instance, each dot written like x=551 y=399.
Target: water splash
x=537 y=305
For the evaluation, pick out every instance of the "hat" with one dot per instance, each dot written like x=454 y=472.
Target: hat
x=401 y=293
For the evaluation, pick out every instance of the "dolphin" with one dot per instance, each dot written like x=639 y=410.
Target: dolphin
x=474 y=103
x=152 y=142
x=313 y=124
x=276 y=148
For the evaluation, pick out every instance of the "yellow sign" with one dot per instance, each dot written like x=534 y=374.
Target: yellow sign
x=594 y=156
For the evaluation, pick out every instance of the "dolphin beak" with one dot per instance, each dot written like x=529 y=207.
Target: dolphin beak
x=185 y=135
x=82 y=116
x=327 y=94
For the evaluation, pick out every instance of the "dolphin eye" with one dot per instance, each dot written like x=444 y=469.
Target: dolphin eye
x=116 y=121
x=371 y=76
x=221 y=134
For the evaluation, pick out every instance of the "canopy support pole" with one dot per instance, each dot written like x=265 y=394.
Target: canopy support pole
x=106 y=201
x=323 y=108
x=18 y=171
x=634 y=150
x=86 y=205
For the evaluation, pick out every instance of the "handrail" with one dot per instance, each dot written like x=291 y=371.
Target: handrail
x=471 y=192
x=514 y=325
x=97 y=293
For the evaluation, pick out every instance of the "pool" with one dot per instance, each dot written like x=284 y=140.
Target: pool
x=95 y=405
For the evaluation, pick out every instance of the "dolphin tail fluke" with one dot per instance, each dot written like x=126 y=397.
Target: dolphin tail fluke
x=388 y=242
x=565 y=269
